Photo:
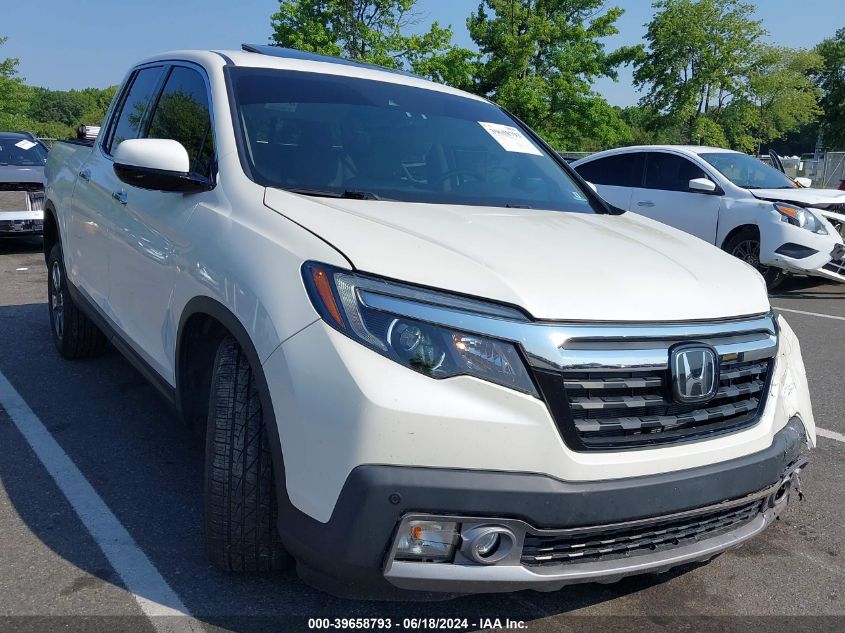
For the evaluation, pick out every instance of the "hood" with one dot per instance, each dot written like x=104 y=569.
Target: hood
x=15 y=173
x=818 y=198
x=555 y=265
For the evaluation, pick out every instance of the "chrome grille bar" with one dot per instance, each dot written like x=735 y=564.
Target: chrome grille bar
x=613 y=383
x=623 y=402
x=668 y=421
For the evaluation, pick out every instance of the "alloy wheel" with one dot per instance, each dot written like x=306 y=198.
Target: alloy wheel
x=57 y=303
x=749 y=251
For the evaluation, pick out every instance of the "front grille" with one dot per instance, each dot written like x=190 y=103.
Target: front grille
x=13 y=200
x=609 y=411
x=836 y=266
x=612 y=394
x=21 y=197
x=36 y=201
x=622 y=542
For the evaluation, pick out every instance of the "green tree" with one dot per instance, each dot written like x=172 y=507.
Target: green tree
x=57 y=106
x=699 y=54
x=781 y=89
x=47 y=113
x=372 y=31
x=58 y=113
x=831 y=79
x=14 y=95
x=539 y=59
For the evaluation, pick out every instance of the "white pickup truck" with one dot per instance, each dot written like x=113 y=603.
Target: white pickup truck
x=423 y=354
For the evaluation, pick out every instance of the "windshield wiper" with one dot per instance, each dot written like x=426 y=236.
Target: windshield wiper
x=349 y=194
x=517 y=206
x=359 y=195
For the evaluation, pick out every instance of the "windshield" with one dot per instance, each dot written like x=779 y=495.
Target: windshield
x=22 y=152
x=747 y=172
x=328 y=135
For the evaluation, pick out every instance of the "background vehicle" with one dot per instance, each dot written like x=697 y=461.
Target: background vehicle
x=395 y=316
x=729 y=199
x=22 y=158
x=835 y=211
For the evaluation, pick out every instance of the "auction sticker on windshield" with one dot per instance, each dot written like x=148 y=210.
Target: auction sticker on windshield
x=510 y=138
x=24 y=144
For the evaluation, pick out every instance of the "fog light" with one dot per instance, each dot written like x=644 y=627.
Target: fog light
x=433 y=541
x=488 y=545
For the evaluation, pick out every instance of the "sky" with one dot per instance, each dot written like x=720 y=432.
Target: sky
x=64 y=45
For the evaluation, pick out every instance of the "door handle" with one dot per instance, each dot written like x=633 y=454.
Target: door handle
x=120 y=196
x=85 y=174
x=645 y=203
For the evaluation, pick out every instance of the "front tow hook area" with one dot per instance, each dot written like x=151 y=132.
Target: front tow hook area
x=789 y=483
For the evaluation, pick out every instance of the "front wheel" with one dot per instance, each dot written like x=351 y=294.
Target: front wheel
x=240 y=497
x=745 y=245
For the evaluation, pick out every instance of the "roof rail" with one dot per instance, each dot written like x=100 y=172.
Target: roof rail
x=292 y=53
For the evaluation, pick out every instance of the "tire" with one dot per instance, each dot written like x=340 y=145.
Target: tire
x=74 y=334
x=745 y=245
x=240 y=497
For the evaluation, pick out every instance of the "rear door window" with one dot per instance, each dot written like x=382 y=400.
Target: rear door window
x=130 y=119
x=620 y=170
x=670 y=172
x=182 y=114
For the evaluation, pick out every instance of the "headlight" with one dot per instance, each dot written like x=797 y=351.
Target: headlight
x=799 y=216
x=437 y=351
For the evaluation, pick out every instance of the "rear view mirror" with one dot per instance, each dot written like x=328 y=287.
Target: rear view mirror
x=159 y=164
x=702 y=185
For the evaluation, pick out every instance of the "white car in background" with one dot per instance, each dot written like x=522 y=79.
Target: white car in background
x=729 y=199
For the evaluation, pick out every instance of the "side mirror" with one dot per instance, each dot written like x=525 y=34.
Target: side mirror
x=702 y=185
x=592 y=186
x=804 y=182
x=158 y=164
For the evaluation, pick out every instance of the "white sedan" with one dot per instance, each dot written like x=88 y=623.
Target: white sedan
x=731 y=200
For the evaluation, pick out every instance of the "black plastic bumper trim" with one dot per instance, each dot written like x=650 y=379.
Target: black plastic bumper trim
x=345 y=554
x=795 y=251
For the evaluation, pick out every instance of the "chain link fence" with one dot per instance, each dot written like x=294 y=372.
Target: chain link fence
x=832 y=171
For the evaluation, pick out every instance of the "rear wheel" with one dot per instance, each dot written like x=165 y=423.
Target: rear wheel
x=240 y=497
x=745 y=245
x=74 y=334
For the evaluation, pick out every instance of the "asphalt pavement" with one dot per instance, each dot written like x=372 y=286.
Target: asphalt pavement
x=146 y=469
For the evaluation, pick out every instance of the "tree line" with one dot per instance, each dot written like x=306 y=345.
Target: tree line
x=47 y=113
x=704 y=71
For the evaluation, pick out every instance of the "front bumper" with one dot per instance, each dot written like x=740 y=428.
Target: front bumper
x=835 y=268
x=353 y=553
x=19 y=223
x=775 y=234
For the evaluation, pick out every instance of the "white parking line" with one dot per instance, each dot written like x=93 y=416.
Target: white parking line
x=815 y=314
x=150 y=590
x=831 y=435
